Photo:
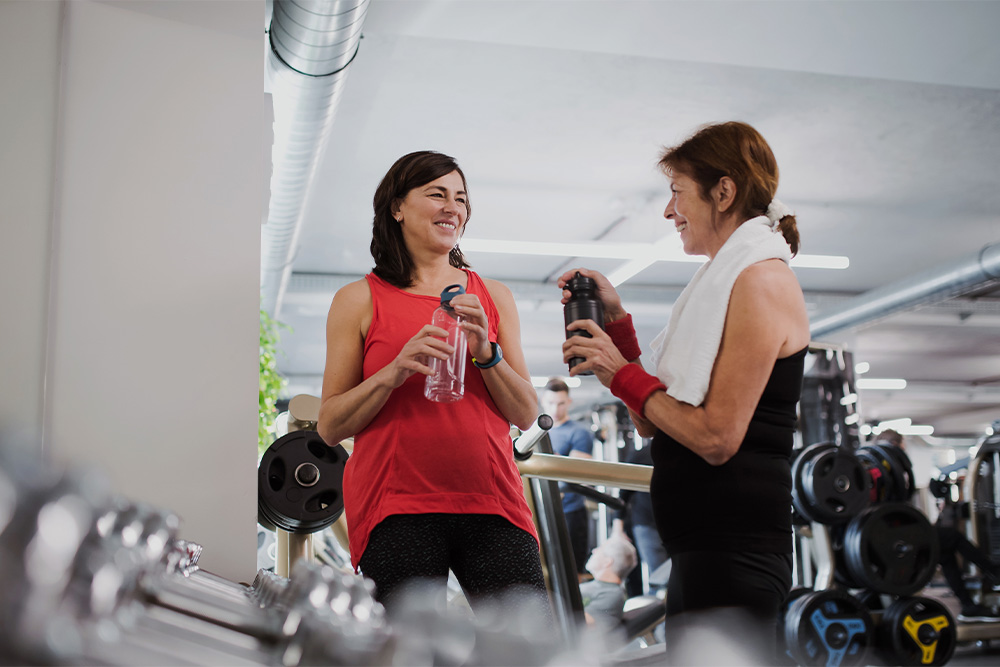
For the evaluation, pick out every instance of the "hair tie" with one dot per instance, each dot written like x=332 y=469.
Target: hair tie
x=777 y=210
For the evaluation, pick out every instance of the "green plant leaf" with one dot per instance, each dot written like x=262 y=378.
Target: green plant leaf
x=271 y=383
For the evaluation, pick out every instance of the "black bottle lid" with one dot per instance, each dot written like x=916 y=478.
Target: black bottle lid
x=450 y=291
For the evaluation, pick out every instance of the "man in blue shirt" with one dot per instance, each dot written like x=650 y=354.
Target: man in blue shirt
x=570 y=438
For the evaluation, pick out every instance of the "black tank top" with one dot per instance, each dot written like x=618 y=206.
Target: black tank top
x=744 y=504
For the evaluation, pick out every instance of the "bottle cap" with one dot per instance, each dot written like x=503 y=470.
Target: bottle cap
x=450 y=291
x=578 y=282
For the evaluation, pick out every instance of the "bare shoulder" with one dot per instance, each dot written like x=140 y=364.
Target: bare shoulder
x=352 y=303
x=500 y=293
x=509 y=323
x=770 y=279
x=355 y=294
x=771 y=287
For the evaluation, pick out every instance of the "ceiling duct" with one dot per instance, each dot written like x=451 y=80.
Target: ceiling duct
x=312 y=44
x=938 y=284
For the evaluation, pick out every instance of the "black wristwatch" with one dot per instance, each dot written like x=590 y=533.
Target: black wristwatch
x=497 y=357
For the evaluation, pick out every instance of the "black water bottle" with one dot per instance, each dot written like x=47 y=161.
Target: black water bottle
x=583 y=304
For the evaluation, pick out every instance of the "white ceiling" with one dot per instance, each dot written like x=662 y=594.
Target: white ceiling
x=884 y=117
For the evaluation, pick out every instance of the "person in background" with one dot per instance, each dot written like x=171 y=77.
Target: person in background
x=952 y=544
x=721 y=406
x=430 y=486
x=638 y=518
x=892 y=437
x=609 y=563
x=570 y=438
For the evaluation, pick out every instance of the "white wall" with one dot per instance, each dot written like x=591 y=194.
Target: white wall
x=152 y=364
x=27 y=139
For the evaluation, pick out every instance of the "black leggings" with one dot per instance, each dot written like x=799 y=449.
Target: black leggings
x=727 y=601
x=490 y=556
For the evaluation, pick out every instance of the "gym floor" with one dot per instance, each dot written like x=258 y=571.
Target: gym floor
x=977 y=655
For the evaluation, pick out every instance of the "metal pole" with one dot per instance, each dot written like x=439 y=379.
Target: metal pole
x=281 y=553
x=584 y=471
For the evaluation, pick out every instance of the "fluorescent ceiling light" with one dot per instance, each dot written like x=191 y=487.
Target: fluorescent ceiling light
x=667 y=249
x=881 y=383
x=916 y=429
x=862 y=367
x=820 y=262
x=894 y=424
x=903 y=426
x=596 y=249
x=629 y=269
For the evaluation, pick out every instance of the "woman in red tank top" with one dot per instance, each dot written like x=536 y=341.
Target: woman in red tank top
x=429 y=486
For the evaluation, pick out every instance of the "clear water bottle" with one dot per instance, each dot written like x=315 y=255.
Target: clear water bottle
x=583 y=304
x=447 y=383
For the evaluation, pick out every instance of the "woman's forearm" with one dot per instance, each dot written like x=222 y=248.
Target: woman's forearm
x=643 y=426
x=346 y=414
x=713 y=435
x=514 y=396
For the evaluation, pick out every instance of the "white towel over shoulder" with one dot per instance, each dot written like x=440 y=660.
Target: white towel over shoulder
x=684 y=352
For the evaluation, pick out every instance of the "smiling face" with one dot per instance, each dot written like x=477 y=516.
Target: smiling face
x=433 y=215
x=693 y=216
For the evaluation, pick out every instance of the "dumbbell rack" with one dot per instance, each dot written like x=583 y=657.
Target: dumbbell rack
x=92 y=578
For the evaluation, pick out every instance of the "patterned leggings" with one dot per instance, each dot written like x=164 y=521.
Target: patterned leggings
x=490 y=557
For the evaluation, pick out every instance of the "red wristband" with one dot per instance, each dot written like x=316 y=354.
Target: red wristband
x=622 y=333
x=634 y=386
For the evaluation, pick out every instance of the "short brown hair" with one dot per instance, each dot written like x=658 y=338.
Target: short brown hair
x=555 y=384
x=393 y=262
x=894 y=438
x=736 y=150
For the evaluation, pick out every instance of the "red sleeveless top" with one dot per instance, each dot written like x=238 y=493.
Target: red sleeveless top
x=417 y=456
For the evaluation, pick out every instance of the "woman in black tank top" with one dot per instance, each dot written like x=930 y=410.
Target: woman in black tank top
x=721 y=406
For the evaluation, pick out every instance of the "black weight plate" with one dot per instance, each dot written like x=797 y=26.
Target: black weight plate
x=905 y=467
x=916 y=631
x=828 y=627
x=881 y=477
x=792 y=596
x=799 y=500
x=898 y=490
x=837 y=485
x=841 y=574
x=300 y=483
x=891 y=548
